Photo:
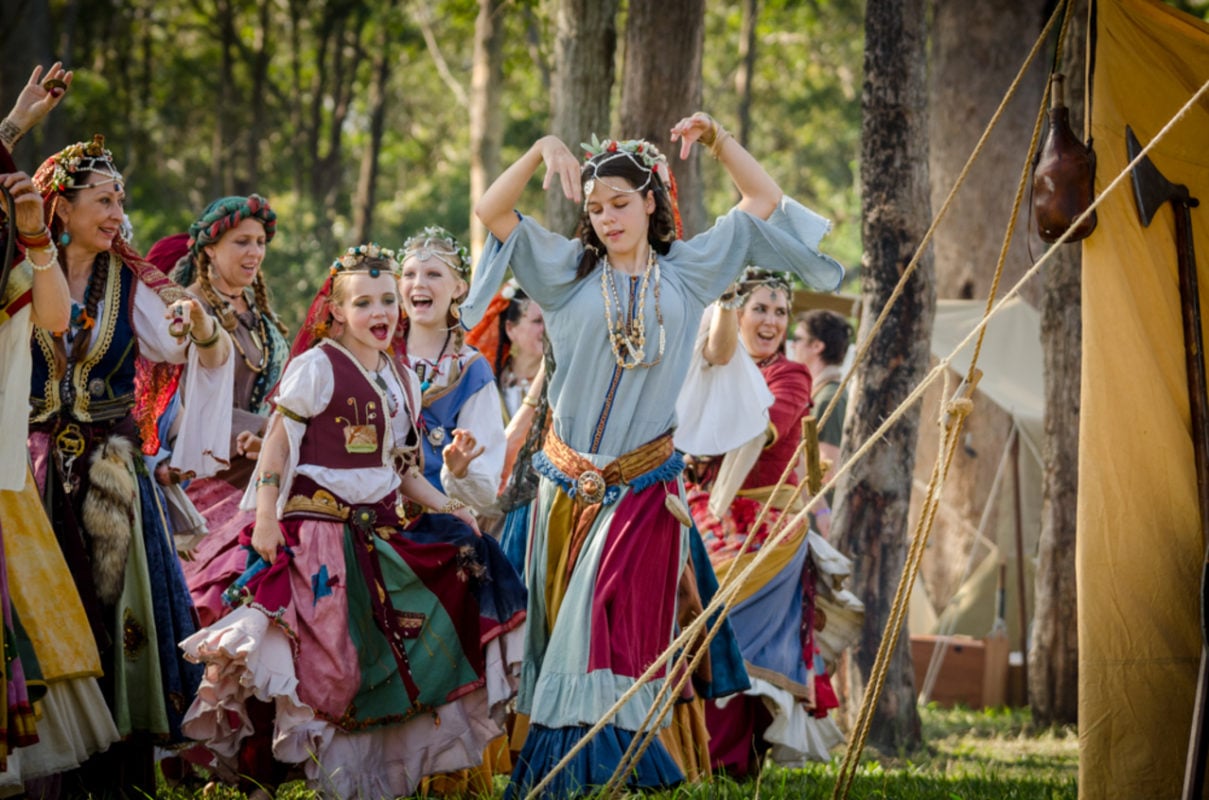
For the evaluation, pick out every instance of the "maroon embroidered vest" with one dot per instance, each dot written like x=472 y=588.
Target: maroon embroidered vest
x=349 y=433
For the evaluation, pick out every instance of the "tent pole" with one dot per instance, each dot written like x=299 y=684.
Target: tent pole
x=1021 y=597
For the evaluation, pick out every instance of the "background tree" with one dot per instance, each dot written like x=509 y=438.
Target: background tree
x=659 y=89
x=585 y=42
x=976 y=52
x=1053 y=662
x=872 y=500
x=486 y=112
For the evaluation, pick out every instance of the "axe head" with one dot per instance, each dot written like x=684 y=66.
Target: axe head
x=1150 y=189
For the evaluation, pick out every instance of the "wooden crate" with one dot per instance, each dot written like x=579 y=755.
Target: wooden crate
x=973 y=673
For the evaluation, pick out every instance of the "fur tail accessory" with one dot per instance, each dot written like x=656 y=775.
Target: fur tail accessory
x=109 y=510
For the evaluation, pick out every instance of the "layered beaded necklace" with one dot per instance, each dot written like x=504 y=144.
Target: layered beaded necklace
x=628 y=338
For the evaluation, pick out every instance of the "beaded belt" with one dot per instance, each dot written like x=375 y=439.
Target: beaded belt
x=644 y=466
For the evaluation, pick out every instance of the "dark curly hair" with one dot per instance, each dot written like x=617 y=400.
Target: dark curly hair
x=829 y=328
x=661 y=231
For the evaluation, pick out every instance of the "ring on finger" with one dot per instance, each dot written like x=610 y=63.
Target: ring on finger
x=50 y=84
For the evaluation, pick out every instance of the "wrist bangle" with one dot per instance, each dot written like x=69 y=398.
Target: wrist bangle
x=268 y=478
x=715 y=149
x=732 y=303
x=451 y=505
x=529 y=401
x=34 y=241
x=208 y=342
x=10 y=132
x=710 y=135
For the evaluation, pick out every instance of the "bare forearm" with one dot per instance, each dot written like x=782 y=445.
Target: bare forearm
x=416 y=487
x=51 y=308
x=274 y=454
x=495 y=209
x=723 y=337
x=760 y=192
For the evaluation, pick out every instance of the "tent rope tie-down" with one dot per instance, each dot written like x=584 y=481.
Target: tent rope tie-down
x=727 y=593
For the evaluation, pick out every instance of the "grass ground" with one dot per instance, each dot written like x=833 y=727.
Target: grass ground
x=969 y=755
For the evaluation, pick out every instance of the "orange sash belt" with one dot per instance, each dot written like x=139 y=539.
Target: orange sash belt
x=641 y=467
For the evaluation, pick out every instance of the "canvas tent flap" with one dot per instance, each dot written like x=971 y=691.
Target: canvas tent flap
x=1139 y=542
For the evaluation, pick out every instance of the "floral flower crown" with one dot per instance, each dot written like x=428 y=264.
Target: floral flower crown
x=436 y=242
x=353 y=260
x=642 y=152
x=57 y=173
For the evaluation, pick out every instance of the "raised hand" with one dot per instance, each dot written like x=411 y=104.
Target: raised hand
x=40 y=95
x=698 y=127
x=561 y=163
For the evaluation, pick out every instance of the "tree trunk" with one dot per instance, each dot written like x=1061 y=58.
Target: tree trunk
x=363 y=206
x=977 y=49
x=747 y=66
x=1053 y=663
x=584 y=49
x=872 y=500
x=661 y=84
x=259 y=103
x=486 y=113
x=24 y=46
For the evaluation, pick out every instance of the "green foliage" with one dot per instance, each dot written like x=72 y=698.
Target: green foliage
x=199 y=100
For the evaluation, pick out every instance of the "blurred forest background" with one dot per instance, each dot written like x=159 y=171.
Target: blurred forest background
x=353 y=116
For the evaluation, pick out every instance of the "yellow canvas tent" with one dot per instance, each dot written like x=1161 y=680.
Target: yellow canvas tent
x=1139 y=549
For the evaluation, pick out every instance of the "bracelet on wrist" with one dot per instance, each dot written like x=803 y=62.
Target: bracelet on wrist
x=451 y=505
x=529 y=401
x=10 y=132
x=34 y=241
x=208 y=342
x=268 y=478
x=715 y=149
x=52 y=256
x=710 y=135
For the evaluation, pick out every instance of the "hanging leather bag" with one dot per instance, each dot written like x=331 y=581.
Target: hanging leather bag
x=1063 y=175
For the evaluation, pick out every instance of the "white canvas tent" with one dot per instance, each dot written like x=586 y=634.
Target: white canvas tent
x=1012 y=378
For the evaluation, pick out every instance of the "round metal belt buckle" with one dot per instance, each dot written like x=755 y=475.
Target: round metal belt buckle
x=590 y=486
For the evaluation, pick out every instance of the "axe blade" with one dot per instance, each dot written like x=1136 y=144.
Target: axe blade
x=1150 y=189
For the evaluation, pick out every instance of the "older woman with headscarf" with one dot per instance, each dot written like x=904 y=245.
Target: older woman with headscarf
x=85 y=438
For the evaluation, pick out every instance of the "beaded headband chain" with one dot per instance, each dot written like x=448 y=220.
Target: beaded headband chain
x=436 y=242
x=353 y=261
x=644 y=155
x=92 y=157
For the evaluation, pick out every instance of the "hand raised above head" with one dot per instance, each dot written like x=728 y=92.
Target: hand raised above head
x=39 y=95
x=697 y=127
x=561 y=162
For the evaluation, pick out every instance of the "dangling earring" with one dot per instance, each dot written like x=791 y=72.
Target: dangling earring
x=64 y=239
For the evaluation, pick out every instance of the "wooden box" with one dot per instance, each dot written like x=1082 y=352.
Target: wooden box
x=973 y=672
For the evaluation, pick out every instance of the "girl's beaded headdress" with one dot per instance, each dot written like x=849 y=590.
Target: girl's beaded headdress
x=57 y=173
x=353 y=261
x=642 y=153
x=436 y=242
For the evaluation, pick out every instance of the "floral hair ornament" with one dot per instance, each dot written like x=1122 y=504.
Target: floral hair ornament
x=436 y=242
x=57 y=173
x=353 y=260
x=642 y=153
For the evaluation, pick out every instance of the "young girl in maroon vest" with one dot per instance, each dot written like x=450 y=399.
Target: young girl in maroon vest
x=379 y=639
